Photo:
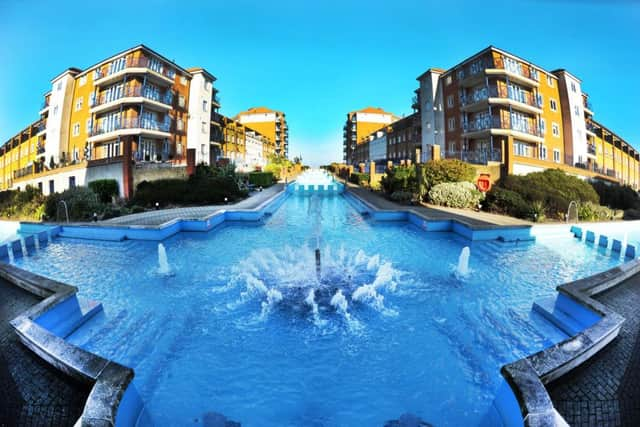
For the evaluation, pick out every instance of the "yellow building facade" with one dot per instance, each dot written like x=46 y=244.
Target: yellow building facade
x=270 y=123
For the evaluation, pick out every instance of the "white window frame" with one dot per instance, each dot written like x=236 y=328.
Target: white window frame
x=82 y=80
x=448 y=80
x=79 y=102
x=451 y=123
x=542 y=152
x=553 y=104
x=450 y=101
x=76 y=129
x=573 y=87
x=555 y=130
x=576 y=110
x=556 y=155
x=88 y=126
x=549 y=81
x=543 y=126
x=204 y=105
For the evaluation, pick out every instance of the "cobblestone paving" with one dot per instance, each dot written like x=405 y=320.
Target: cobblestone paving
x=197 y=212
x=605 y=391
x=32 y=393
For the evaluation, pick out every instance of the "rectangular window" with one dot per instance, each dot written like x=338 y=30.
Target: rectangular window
x=183 y=80
x=181 y=101
x=449 y=101
x=72 y=181
x=543 y=126
x=452 y=123
x=549 y=81
x=556 y=155
x=553 y=105
x=573 y=87
x=576 y=110
x=179 y=125
x=540 y=100
x=204 y=127
x=555 y=129
x=88 y=126
x=448 y=80
x=52 y=187
x=543 y=152
x=79 y=102
x=76 y=129
x=82 y=81
x=204 y=106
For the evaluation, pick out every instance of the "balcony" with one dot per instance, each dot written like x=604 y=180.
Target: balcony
x=475 y=157
x=591 y=129
x=133 y=95
x=516 y=71
x=493 y=125
x=155 y=70
x=587 y=108
x=135 y=126
x=591 y=149
x=45 y=107
x=499 y=95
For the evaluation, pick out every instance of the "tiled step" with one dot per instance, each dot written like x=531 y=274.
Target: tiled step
x=553 y=312
x=69 y=315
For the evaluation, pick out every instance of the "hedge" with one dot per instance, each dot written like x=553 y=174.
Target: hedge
x=455 y=195
x=205 y=190
x=446 y=170
x=262 y=179
x=616 y=196
x=359 y=178
x=105 y=189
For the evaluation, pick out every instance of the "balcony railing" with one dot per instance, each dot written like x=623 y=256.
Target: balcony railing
x=515 y=67
x=475 y=157
x=135 y=123
x=142 y=62
x=498 y=92
x=591 y=149
x=591 y=127
x=496 y=123
x=135 y=91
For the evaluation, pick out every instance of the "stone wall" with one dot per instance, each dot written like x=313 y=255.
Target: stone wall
x=153 y=172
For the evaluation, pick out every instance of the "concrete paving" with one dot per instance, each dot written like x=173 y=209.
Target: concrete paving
x=605 y=391
x=32 y=392
x=153 y=218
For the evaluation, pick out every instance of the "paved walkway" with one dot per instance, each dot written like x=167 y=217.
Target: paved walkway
x=605 y=391
x=476 y=220
x=197 y=212
x=32 y=393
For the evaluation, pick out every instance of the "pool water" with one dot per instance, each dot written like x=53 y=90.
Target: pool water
x=233 y=330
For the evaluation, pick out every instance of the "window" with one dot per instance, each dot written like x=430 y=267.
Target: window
x=204 y=127
x=542 y=152
x=72 y=181
x=181 y=101
x=449 y=101
x=82 y=81
x=555 y=129
x=448 y=80
x=573 y=87
x=183 y=80
x=179 y=124
x=543 y=126
x=88 y=126
x=76 y=129
x=576 y=110
x=556 y=155
x=59 y=86
x=553 y=105
x=52 y=187
x=55 y=110
x=204 y=106
x=79 y=102
x=451 y=123
x=521 y=149
x=549 y=81
x=540 y=100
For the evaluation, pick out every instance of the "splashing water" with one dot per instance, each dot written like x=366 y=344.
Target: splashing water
x=164 y=268
x=463 y=263
x=287 y=281
x=12 y=257
x=23 y=245
x=36 y=243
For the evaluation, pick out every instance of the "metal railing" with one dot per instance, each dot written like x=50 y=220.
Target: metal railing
x=497 y=92
x=135 y=123
x=134 y=91
x=494 y=122
x=475 y=157
x=141 y=62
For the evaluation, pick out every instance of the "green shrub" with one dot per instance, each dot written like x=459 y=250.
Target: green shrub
x=616 y=196
x=506 y=202
x=105 y=189
x=81 y=202
x=359 y=178
x=593 y=212
x=447 y=170
x=399 y=178
x=197 y=190
x=455 y=195
x=22 y=205
x=262 y=179
x=631 y=214
x=401 y=196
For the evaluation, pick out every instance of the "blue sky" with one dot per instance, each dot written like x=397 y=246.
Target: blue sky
x=318 y=60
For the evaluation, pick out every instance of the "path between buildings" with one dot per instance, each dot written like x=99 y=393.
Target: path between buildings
x=154 y=218
x=32 y=392
x=605 y=391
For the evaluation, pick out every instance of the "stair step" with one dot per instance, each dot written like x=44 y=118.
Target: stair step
x=550 y=310
x=70 y=314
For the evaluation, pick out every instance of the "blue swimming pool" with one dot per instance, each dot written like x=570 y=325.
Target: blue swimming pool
x=244 y=324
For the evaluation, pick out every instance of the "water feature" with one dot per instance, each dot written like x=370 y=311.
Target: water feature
x=246 y=327
x=164 y=269
x=23 y=245
x=36 y=243
x=462 y=270
x=10 y=254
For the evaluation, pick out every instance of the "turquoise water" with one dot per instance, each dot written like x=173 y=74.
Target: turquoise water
x=232 y=330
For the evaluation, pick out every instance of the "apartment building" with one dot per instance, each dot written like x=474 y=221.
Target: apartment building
x=245 y=147
x=269 y=123
x=497 y=107
x=131 y=109
x=359 y=125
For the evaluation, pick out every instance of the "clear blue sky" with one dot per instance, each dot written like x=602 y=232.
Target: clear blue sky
x=318 y=60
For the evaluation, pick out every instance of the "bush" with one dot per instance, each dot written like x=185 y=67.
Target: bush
x=447 y=170
x=81 y=202
x=401 y=196
x=593 y=212
x=399 y=178
x=506 y=202
x=196 y=190
x=632 y=214
x=359 y=178
x=616 y=196
x=262 y=179
x=27 y=204
x=553 y=188
x=455 y=195
x=105 y=189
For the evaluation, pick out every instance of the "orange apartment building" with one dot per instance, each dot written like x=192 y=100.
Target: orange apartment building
x=271 y=124
x=133 y=109
x=495 y=107
x=359 y=125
